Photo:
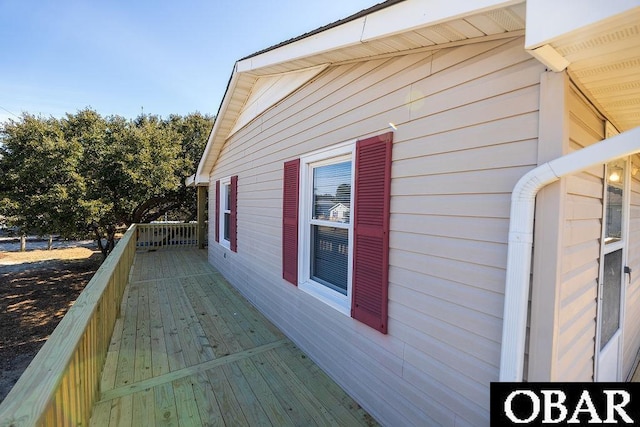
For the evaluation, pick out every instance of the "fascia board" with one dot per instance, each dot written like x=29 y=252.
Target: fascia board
x=413 y=14
x=203 y=167
x=334 y=38
x=201 y=180
x=395 y=19
x=196 y=181
x=207 y=149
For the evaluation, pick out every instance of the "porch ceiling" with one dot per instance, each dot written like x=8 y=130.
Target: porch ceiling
x=604 y=61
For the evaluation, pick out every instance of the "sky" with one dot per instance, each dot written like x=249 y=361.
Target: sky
x=129 y=57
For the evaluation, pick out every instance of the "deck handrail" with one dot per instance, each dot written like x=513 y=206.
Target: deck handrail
x=171 y=235
x=61 y=383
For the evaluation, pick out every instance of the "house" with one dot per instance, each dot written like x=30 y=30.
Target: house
x=339 y=212
x=488 y=150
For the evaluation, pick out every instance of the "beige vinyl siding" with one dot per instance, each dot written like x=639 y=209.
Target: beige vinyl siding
x=580 y=251
x=467 y=130
x=631 y=334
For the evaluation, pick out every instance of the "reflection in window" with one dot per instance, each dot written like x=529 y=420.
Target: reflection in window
x=225 y=207
x=332 y=192
x=330 y=224
x=611 y=287
x=613 y=215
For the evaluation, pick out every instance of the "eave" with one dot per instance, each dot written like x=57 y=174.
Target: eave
x=397 y=28
x=599 y=48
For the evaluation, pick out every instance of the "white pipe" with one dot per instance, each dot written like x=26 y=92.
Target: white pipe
x=516 y=296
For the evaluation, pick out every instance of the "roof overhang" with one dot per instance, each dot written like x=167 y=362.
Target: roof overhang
x=598 y=43
x=390 y=28
x=196 y=181
x=400 y=18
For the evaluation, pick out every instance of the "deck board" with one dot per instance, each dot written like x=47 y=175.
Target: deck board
x=159 y=356
x=189 y=350
x=206 y=400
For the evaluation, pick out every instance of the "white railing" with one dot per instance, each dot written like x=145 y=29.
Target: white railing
x=167 y=235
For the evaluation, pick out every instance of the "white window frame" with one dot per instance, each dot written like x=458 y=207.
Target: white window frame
x=607 y=247
x=225 y=186
x=334 y=154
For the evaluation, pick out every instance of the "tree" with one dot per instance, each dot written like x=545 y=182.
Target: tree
x=86 y=172
x=41 y=190
x=343 y=194
x=194 y=130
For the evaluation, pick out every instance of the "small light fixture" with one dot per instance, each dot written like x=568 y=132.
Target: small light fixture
x=615 y=174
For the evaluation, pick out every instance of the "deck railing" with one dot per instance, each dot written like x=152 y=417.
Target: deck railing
x=167 y=235
x=61 y=384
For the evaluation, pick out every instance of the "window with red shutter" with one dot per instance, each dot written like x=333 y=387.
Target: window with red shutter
x=336 y=236
x=233 y=217
x=217 y=217
x=326 y=228
x=226 y=212
x=290 y=221
x=371 y=231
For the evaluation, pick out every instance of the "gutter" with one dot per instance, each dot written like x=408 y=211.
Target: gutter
x=523 y=198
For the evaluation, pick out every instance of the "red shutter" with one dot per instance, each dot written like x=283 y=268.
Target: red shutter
x=290 y=221
x=371 y=231
x=217 y=218
x=233 y=225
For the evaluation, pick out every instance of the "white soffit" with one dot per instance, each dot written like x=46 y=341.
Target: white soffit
x=419 y=13
x=417 y=23
x=549 y=19
x=269 y=90
x=604 y=61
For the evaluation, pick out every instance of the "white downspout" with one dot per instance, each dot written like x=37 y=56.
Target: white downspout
x=516 y=296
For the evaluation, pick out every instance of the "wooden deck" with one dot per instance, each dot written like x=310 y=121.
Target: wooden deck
x=189 y=350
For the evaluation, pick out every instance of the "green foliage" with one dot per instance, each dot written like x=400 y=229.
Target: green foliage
x=41 y=187
x=59 y=176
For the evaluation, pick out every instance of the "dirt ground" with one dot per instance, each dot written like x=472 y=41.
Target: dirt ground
x=36 y=290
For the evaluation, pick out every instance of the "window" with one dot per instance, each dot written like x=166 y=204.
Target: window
x=611 y=295
x=335 y=227
x=326 y=230
x=226 y=216
x=225 y=210
x=614 y=195
x=330 y=227
x=611 y=282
